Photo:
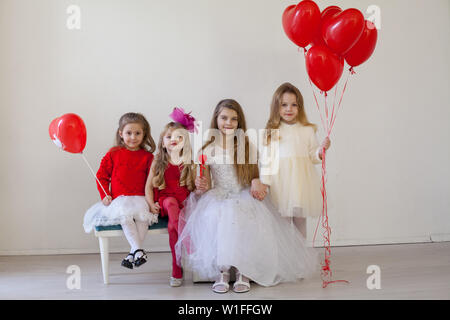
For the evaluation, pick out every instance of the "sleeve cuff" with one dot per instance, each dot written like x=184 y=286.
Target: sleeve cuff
x=317 y=155
x=103 y=196
x=265 y=180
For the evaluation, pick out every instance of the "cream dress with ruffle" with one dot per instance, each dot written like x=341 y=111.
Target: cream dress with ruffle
x=287 y=165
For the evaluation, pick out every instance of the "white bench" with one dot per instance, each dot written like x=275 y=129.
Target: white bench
x=104 y=233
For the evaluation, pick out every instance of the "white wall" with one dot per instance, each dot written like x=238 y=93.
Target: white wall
x=388 y=167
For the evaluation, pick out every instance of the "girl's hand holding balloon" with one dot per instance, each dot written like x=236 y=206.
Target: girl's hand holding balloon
x=325 y=145
x=107 y=200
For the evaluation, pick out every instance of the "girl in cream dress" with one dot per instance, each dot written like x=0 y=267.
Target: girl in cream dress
x=288 y=159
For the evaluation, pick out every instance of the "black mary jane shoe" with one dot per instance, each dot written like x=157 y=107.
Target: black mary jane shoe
x=126 y=263
x=141 y=260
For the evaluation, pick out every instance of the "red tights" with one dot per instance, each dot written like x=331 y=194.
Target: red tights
x=171 y=206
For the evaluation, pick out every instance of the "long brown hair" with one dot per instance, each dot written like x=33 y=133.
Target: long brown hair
x=162 y=160
x=246 y=172
x=274 y=121
x=147 y=142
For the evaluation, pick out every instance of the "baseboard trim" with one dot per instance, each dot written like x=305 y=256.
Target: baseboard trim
x=50 y=252
x=441 y=237
x=375 y=242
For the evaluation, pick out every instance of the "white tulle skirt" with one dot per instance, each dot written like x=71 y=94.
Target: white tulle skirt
x=120 y=210
x=218 y=230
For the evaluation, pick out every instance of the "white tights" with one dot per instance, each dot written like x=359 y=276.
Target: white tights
x=135 y=232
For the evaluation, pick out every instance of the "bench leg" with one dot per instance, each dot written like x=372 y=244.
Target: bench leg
x=104 y=253
x=195 y=277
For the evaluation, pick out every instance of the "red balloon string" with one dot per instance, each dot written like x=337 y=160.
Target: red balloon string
x=326 y=114
x=340 y=100
x=334 y=103
x=326 y=269
x=326 y=272
x=317 y=103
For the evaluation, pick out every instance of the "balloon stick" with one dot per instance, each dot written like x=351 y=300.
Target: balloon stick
x=92 y=171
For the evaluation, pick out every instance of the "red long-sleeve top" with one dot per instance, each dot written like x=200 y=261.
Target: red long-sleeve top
x=123 y=172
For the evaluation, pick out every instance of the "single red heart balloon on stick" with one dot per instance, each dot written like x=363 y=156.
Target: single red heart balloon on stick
x=300 y=22
x=324 y=67
x=343 y=30
x=68 y=132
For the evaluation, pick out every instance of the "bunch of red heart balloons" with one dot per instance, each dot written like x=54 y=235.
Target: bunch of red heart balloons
x=334 y=35
x=68 y=132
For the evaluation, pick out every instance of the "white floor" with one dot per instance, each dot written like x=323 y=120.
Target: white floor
x=411 y=271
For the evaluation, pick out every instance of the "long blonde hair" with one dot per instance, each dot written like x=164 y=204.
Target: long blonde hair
x=274 y=121
x=187 y=175
x=147 y=142
x=246 y=172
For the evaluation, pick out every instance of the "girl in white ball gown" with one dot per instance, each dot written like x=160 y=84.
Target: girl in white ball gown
x=229 y=225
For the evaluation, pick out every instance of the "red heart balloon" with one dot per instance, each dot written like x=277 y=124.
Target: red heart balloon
x=327 y=14
x=364 y=48
x=53 y=132
x=69 y=133
x=324 y=67
x=343 y=30
x=300 y=22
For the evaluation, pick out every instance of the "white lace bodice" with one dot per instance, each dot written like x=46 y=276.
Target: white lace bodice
x=223 y=174
x=224 y=177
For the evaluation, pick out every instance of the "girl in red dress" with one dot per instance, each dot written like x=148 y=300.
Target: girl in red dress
x=123 y=173
x=171 y=179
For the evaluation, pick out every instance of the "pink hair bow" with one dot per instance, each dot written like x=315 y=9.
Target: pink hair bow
x=185 y=119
